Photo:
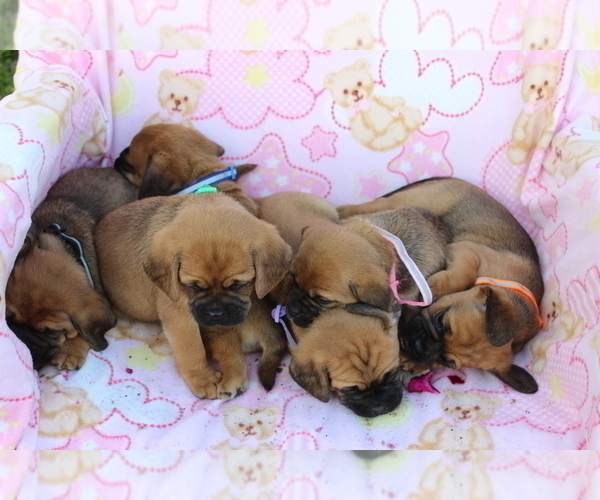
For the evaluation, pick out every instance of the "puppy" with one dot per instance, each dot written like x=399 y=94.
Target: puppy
x=338 y=265
x=478 y=324
x=199 y=264
x=53 y=306
x=354 y=355
x=164 y=158
x=291 y=212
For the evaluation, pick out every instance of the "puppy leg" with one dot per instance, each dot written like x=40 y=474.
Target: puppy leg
x=378 y=205
x=226 y=348
x=183 y=335
x=72 y=354
x=273 y=350
x=461 y=273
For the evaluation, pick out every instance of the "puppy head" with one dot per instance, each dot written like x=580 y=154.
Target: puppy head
x=539 y=82
x=336 y=266
x=355 y=353
x=214 y=255
x=48 y=295
x=164 y=158
x=476 y=328
x=350 y=85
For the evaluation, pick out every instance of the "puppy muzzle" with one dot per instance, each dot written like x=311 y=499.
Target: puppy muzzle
x=378 y=399
x=219 y=313
x=301 y=308
x=121 y=164
x=418 y=343
x=42 y=345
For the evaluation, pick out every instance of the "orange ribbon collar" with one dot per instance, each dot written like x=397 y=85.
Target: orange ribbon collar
x=522 y=290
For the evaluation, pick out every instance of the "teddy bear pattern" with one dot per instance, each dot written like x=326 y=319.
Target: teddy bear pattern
x=380 y=123
x=249 y=427
x=461 y=427
x=354 y=34
x=178 y=97
x=534 y=126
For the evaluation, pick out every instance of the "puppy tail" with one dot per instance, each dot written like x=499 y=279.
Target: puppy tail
x=268 y=366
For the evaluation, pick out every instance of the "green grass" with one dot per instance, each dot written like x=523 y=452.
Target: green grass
x=8 y=15
x=8 y=61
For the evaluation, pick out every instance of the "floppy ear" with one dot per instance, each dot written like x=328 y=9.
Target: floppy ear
x=272 y=261
x=517 y=378
x=245 y=168
x=155 y=182
x=369 y=310
x=374 y=295
x=162 y=266
x=499 y=316
x=30 y=239
x=315 y=381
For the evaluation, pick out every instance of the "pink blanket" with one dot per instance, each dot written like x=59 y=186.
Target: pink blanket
x=461 y=113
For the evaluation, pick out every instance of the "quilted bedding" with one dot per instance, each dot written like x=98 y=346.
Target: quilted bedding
x=80 y=108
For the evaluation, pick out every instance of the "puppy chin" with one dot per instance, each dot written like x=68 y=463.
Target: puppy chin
x=219 y=314
x=377 y=399
x=418 y=343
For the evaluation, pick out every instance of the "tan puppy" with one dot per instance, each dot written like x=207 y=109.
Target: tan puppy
x=51 y=304
x=354 y=355
x=164 y=158
x=199 y=264
x=341 y=265
x=469 y=324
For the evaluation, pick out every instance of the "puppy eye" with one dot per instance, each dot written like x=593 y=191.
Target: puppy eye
x=238 y=286
x=438 y=322
x=194 y=287
x=321 y=301
x=345 y=91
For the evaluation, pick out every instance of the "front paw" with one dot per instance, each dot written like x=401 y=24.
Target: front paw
x=204 y=383
x=439 y=284
x=69 y=358
x=346 y=211
x=230 y=387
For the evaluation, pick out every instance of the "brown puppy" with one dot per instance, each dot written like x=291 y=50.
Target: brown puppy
x=199 y=264
x=51 y=303
x=340 y=265
x=470 y=324
x=291 y=212
x=162 y=159
x=353 y=355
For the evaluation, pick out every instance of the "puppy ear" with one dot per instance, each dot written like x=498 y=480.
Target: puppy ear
x=30 y=239
x=363 y=309
x=162 y=266
x=245 y=168
x=315 y=381
x=499 y=316
x=155 y=182
x=373 y=295
x=517 y=378
x=272 y=261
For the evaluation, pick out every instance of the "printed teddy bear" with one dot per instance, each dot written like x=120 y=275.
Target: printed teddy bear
x=541 y=33
x=65 y=410
x=171 y=39
x=96 y=144
x=248 y=425
x=60 y=466
x=459 y=474
x=178 y=96
x=569 y=327
x=460 y=427
x=64 y=91
x=567 y=154
x=380 y=123
x=251 y=473
x=534 y=125
x=354 y=34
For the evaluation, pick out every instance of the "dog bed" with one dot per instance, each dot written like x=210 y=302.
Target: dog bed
x=75 y=109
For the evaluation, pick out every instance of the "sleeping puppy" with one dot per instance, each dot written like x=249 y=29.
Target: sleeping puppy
x=53 y=305
x=162 y=159
x=199 y=264
x=477 y=319
x=350 y=263
x=355 y=356
x=291 y=212
x=354 y=353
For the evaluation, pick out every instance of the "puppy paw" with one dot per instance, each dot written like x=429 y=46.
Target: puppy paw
x=204 y=384
x=71 y=355
x=231 y=387
x=346 y=211
x=438 y=283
